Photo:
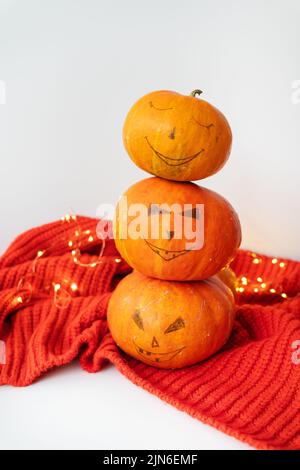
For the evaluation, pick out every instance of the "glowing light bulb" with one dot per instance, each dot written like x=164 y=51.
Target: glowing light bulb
x=259 y=279
x=284 y=295
x=282 y=264
x=274 y=260
x=74 y=286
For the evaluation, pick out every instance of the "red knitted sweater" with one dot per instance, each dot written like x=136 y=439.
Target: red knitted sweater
x=249 y=390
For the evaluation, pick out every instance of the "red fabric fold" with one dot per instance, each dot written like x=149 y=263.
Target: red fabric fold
x=249 y=390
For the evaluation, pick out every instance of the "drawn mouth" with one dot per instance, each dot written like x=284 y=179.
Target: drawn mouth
x=167 y=255
x=173 y=161
x=157 y=357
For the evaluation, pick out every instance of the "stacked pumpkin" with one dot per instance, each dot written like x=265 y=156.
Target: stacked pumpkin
x=177 y=307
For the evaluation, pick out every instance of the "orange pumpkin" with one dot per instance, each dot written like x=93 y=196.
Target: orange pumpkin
x=170 y=324
x=229 y=278
x=164 y=255
x=177 y=137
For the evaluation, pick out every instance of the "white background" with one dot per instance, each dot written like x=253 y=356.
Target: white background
x=71 y=69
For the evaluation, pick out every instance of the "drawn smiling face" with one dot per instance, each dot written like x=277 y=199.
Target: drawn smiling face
x=177 y=137
x=167 y=253
x=170 y=324
x=147 y=232
x=155 y=351
x=174 y=161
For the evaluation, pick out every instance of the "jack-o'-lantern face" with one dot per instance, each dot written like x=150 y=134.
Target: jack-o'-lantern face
x=153 y=351
x=190 y=232
x=170 y=324
x=177 y=137
x=182 y=220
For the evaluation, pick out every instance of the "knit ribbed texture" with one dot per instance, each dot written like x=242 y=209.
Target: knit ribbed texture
x=249 y=390
x=40 y=336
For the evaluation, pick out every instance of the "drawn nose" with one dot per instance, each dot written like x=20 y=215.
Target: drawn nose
x=170 y=234
x=154 y=343
x=172 y=133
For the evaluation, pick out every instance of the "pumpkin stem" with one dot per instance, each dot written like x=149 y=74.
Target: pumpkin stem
x=196 y=92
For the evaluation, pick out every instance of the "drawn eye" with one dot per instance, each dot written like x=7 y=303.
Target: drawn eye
x=208 y=126
x=157 y=108
x=138 y=320
x=176 y=325
x=194 y=213
x=154 y=209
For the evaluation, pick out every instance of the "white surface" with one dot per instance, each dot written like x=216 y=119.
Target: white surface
x=71 y=409
x=69 y=71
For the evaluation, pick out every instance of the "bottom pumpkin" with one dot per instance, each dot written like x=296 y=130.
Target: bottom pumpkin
x=170 y=324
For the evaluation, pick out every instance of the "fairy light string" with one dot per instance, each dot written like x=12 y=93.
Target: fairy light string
x=259 y=285
x=78 y=239
x=61 y=290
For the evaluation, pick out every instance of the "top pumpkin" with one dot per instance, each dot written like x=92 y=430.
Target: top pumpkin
x=177 y=137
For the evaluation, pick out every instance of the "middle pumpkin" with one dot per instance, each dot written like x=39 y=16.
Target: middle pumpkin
x=175 y=231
